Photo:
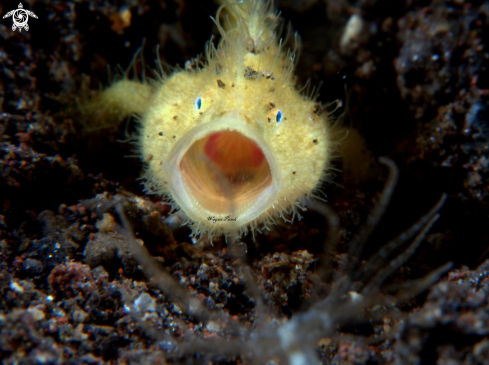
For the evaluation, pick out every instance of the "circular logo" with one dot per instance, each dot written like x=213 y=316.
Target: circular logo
x=20 y=18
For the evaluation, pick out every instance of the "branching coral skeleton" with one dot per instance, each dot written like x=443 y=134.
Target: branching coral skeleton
x=355 y=287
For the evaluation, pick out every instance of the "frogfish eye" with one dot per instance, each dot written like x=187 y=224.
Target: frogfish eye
x=198 y=103
x=280 y=116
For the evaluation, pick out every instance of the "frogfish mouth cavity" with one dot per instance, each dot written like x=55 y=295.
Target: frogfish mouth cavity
x=224 y=173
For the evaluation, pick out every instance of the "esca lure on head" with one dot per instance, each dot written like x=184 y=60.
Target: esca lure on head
x=232 y=143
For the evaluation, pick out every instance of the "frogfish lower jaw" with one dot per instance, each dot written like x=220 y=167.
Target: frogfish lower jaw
x=223 y=173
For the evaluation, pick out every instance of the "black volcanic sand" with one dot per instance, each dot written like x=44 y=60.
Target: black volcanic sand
x=418 y=79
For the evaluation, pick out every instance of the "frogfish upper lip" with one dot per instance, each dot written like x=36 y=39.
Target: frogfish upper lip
x=223 y=169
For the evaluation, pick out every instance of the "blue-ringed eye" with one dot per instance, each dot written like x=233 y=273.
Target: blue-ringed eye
x=198 y=103
x=279 y=117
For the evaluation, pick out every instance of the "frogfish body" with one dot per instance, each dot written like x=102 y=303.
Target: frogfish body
x=231 y=142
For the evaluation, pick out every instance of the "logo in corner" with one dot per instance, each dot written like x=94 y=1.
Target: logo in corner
x=20 y=17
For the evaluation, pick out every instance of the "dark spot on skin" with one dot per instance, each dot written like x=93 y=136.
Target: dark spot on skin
x=272 y=89
x=221 y=84
x=272 y=105
x=249 y=72
x=175 y=117
x=232 y=85
x=314 y=141
x=318 y=109
x=176 y=104
x=161 y=133
x=174 y=137
x=269 y=120
x=293 y=172
x=201 y=113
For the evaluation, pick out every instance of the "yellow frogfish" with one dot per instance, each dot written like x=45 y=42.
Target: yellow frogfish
x=232 y=143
